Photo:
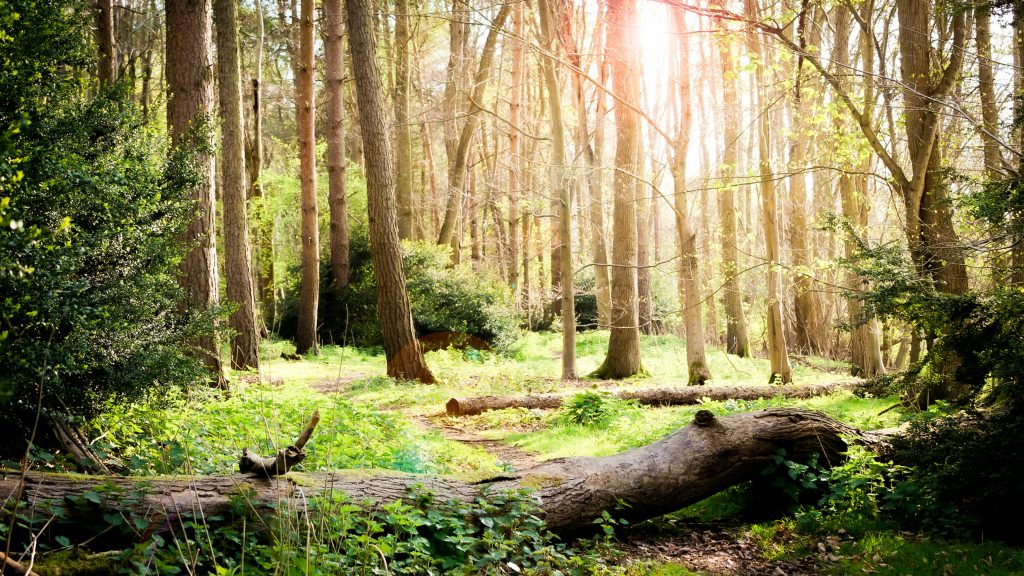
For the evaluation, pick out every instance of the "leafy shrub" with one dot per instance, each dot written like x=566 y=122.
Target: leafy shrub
x=92 y=210
x=967 y=471
x=592 y=408
x=461 y=305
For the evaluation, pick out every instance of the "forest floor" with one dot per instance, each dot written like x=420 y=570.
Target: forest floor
x=371 y=421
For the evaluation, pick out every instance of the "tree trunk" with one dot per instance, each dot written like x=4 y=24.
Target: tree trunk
x=706 y=457
x=865 y=352
x=591 y=155
x=645 y=307
x=697 y=371
x=457 y=162
x=404 y=355
x=735 y=320
x=403 y=135
x=189 y=106
x=677 y=396
x=809 y=324
x=986 y=88
x=337 y=163
x=245 y=346
x=515 y=153
x=107 y=66
x=309 y=293
x=623 y=358
x=780 y=367
x=264 y=234
x=561 y=189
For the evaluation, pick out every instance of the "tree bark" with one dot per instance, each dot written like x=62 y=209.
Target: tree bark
x=777 y=350
x=189 y=110
x=808 y=321
x=623 y=358
x=709 y=455
x=672 y=396
x=865 y=352
x=457 y=164
x=245 y=345
x=735 y=320
x=561 y=190
x=107 y=66
x=309 y=293
x=337 y=163
x=404 y=355
x=697 y=371
x=989 y=128
x=403 y=135
x=264 y=233
x=515 y=151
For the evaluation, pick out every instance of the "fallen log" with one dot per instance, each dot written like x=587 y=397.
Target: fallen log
x=675 y=396
x=709 y=455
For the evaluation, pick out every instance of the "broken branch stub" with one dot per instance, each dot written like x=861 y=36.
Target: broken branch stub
x=283 y=461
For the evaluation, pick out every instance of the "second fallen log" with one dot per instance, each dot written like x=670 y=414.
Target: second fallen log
x=668 y=396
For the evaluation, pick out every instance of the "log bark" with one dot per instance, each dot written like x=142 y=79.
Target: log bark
x=650 y=397
x=685 y=467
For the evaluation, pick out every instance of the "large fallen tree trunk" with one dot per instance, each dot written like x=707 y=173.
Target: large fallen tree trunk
x=707 y=456
x=677 y=396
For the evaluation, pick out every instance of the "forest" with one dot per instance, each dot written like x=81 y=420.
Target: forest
x=547 y=287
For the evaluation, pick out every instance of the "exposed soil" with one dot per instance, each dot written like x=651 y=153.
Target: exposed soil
x=510 y=455
x=337 y=384
x=721 y=550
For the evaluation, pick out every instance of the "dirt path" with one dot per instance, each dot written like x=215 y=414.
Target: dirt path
x=510 y=455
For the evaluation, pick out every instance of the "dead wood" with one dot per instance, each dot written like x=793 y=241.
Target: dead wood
x=681 y=469
x=10 y=567
x=676 y=396
x=284 y=460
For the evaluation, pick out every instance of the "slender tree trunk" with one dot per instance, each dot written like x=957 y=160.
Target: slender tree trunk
x=460 y=154
x=645 y=310
x=777 y=350
x=245 y=349
x=309 y=293
x=107 y=66
x=337 y=196
x=865 y=352
x=405 y=357
x=264 y=236
x=515 y=152
x=562 y=190
x=623 y=358
x=697 y=371
x=403 y=136
x=986 y=87
x=1017 y=137
x=809 y=326
x=599 y=234
x=189 y=110
x=735 y=320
